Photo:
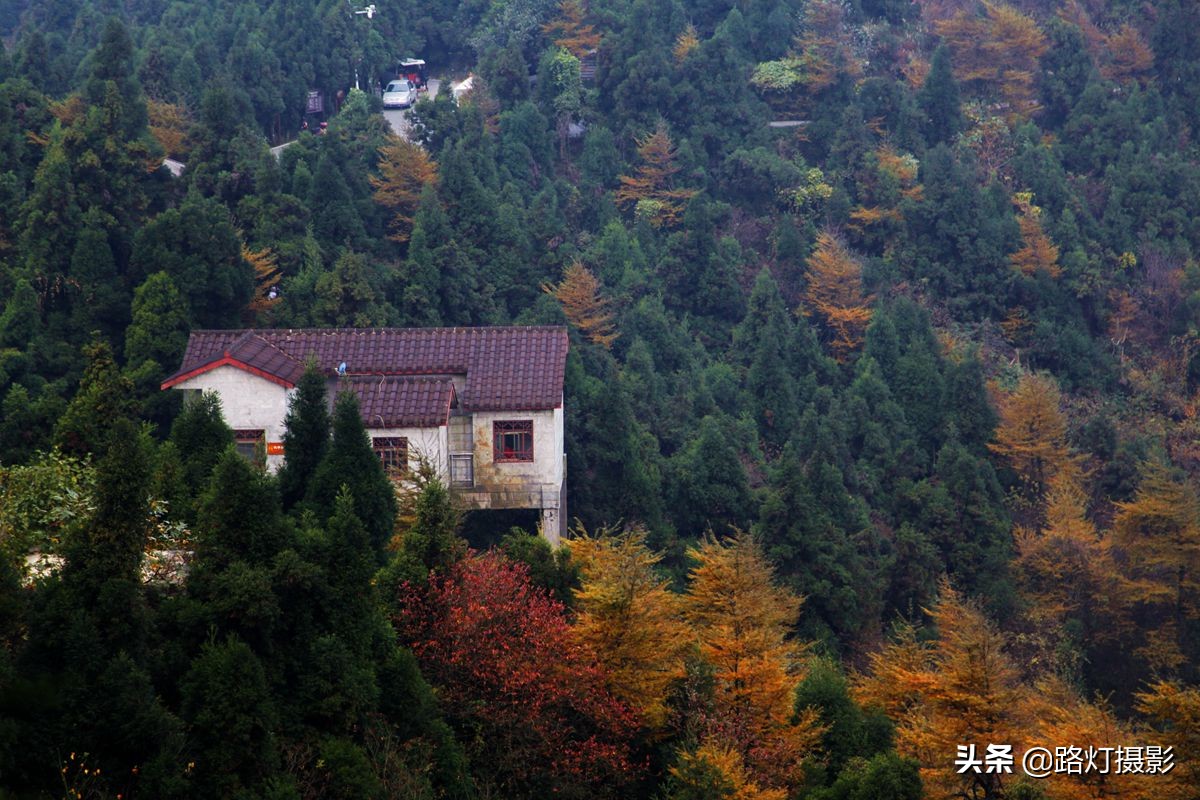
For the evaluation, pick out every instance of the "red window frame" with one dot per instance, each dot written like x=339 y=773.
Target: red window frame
x=251 y=444
x=512 y=440
x=392 y=452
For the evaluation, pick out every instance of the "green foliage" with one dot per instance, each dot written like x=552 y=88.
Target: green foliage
x=351 y=462
x=104 y=397
x=306 y=435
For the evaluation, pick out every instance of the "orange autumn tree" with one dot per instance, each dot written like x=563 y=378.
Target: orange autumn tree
x=835 y=294
x=1176 y=712
x=1032 y=434
x=1037 y=252
x=405 y=169
x=742 y=620
x=1066 y=569
x=569 y=31
x=995 y=54
x=267 y=274
x=687 y=41
x=628 y=616
x=1066 y=720
x=962 y=689
x=1157 y=539
x=1129 y=58
x=168 y=125
x=579 y=293
x=699 y=771
x=651 y=191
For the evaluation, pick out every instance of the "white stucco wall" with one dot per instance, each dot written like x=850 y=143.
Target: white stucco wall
x=247 y=401
x=431 y=443
x=546 y=469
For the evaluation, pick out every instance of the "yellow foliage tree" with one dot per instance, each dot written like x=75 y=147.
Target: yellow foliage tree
x=1177 y=711
x=569 y=31
x=698 y=772
x=1067 y=569
x=651 y=191
x=835 y=293
x=266 y=277
x=169 y=124
x=742 y=620
x=630 y=619
x=1032 y=433
x=1129 y=57
x=1157 y=538
x=996 y=54
x=1037 y=252
x=579 y=293
x=961 y=690
x=405 y=169
x=686 y=42
x=1066 y=720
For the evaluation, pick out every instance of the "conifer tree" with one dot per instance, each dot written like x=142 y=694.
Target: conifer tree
x=405 y=169
x=306 y=435
x=939 y=100
x=104 y=396
x=585 y=307
x=201 y=437
x=835 y=294
x=651 y=191
x=630 y=619
x=743 y=620
x=351 y=462
x=765 y=340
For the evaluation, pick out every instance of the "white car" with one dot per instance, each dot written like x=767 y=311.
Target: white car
x=399 y=93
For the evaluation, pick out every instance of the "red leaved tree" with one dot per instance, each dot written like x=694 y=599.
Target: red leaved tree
x=526 y=699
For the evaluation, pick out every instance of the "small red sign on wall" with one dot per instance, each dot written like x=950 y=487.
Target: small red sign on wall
x=274 y=448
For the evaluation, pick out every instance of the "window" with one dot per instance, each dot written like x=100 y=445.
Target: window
x=392 y=452
x=251 y=445
x=512 y=440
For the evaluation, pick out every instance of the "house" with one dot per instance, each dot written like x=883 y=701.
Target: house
x=483 y=405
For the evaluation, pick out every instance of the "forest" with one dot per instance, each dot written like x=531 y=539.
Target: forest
x=882 y=425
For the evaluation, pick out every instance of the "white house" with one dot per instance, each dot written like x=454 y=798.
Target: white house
x=484 y=405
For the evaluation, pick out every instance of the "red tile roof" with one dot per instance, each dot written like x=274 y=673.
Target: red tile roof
x=506 y=369
x=402 y=402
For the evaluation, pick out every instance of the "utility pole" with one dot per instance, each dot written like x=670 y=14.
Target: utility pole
x=369 y=12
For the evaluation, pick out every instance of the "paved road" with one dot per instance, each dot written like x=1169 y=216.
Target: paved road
x=398 y=117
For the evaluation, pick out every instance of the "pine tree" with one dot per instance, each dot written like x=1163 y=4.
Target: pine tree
x=939 y=101
x=201 y=437
x=569 y=31
x=835 y=294
x=405 y=169
x=764 y=341
x=651 y=190
x=351 y=462
x=585 y=307
x=743 y=620
x=1037 y=253
x=1158 y=536
x=104 y=396
x=306 y=435
x=1032 y=433
x=630 y=619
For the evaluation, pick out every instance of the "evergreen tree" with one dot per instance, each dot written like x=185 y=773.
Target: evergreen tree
x=102 y=303
x=104 y=397
x=764 y=339
x=306 y=435
x=201 y=437
x=351 y=462
x=239 y=516
x=939 y=100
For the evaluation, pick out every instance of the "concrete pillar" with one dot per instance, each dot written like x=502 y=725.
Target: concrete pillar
x=551 y=526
